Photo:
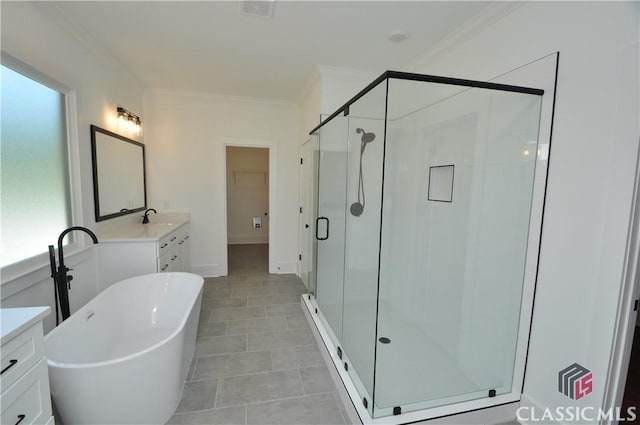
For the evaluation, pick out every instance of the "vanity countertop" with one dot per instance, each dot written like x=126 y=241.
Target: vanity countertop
x=15 y=320
x=137 y=232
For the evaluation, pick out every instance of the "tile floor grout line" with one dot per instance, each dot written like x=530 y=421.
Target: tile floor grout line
x=218 y=391
x=288 y=398
x=301 y=383
x=271 y=400
x=341 y=408
x=257 y=351
x=255 y=402
x=246 y=280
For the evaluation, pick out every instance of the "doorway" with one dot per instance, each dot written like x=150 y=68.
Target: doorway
x=248 y=206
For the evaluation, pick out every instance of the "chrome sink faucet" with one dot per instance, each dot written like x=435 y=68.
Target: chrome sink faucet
x=145 y=217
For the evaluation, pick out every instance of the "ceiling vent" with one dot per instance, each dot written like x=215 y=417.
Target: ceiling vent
x=259 y=8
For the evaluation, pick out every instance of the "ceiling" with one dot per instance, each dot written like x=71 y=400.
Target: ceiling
x=210 y=47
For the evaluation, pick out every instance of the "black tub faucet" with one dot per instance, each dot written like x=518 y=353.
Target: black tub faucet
x=60 y=278
x=145 y=217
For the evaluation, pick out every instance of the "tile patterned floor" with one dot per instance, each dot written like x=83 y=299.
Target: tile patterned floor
x=256 y=360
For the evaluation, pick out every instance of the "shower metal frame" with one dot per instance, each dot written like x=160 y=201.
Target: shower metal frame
x=429 y=79
x=335 y=353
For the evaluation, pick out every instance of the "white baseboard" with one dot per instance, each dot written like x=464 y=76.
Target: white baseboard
x=284 y=267
x=215 y=270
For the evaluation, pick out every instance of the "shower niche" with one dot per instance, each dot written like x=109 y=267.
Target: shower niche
x=429 y=205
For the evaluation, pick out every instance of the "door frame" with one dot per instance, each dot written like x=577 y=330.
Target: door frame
x=629 y=294
x=305 y=216
x=626 y=317
x=273 y=221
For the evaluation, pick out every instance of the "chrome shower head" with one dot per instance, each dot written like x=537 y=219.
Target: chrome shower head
x=366 y=137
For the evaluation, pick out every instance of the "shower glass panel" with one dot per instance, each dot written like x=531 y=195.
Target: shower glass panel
x=362 y=240
x=452 y=265
x=425 y=200
x=330 y=224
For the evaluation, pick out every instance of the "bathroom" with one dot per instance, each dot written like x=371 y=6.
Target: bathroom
x=581 y=293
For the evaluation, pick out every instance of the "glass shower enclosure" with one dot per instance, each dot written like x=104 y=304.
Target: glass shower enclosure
x=427 y=191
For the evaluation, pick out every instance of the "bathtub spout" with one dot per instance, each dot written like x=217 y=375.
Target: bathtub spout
x=60 y=278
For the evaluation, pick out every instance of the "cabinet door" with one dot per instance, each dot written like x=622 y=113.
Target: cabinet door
x=28 y=401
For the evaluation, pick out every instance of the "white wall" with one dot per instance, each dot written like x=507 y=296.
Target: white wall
x=340 y=84
x=328 y=89
x=591 y=175
x=36 y=36
x=247 y=194
x=185 y=152
x=310 y=106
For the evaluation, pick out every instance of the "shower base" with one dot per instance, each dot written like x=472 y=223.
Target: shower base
x=456 y=411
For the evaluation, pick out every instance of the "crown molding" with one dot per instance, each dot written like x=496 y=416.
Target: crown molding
x=478 y=23
x=80 y=34
x=311 y=82
x=347 y=73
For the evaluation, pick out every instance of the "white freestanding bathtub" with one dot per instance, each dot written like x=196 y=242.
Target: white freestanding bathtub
x=123 y=357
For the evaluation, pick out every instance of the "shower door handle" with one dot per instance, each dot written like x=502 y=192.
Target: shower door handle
x=317 y=226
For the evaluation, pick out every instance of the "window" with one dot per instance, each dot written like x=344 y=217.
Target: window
x=35 y=203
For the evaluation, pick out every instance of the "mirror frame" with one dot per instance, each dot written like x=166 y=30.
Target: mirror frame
x=96 y=198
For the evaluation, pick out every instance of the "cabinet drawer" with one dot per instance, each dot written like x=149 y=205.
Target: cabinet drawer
x=20 y=354
x=183 y=238
x=27 y=400
x=164 y=245
x=164 y=262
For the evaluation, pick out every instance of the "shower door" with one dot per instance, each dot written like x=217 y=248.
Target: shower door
x=310 y=189
x=330 y=224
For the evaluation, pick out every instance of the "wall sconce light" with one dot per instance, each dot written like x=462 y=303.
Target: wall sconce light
x=129 y=120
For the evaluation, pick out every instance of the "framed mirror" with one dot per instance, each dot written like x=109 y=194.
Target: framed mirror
x=119 y=183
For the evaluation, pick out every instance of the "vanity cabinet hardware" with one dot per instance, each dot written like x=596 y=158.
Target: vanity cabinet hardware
x=173 y=238
x=12 y=363
x=26 y=398
x=164 y=245
x=164 y=267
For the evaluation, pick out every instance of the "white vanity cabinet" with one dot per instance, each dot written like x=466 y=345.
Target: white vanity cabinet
x=24 y=382
x=173 y=252
x=142 y=249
